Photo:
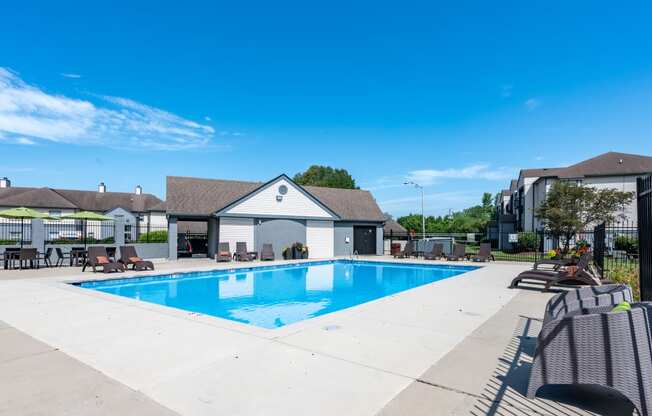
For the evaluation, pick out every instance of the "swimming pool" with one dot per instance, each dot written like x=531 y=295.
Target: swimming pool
x=274 y=296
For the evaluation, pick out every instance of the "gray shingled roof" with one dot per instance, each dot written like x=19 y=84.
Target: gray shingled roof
x=202 y=197
x=80 y=200
x=393 y=226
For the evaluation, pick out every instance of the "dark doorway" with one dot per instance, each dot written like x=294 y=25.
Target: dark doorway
x=364 y=240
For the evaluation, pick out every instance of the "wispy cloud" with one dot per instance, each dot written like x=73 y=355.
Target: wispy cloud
x=532 y=104
x=480 y=171
x=435 y=203
x=69 y=75
x=29 y=115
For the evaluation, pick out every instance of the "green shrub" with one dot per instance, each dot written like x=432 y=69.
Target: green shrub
x=528 y=241
x=8 y=242
x=628 y=275
x=160 y=236
x=626 y=243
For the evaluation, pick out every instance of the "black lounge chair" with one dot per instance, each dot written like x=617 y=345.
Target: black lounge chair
x=98 y=257
x=223 y=252
x=128 y=255
x=459 y=253
x=484 y=254
x=437 y=252
x=241 y=253
x=583 y=275
x=407 y=251
x=267 y=253
x=585 y=297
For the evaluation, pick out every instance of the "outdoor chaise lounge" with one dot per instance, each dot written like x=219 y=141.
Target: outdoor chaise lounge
x=407 y=251
x=484 y=254
x=267 y=253
x=598 y=346
x=129 y=256
x=223 y=252
x=582 y=275
x=437 y=252
x=555 y=264
x=586 y=297
x=459 y=253
x=97 y=257
x=241 y=253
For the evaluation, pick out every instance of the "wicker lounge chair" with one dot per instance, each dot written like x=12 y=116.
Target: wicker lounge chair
x=241 y=253
x=598 y=347
x=555 y=264
x=223 y=252
x=128 y=255
x=407 y=251
x=586 y=297
x=98 y=257
x=459 y=253
x=267 y=253
x=437 y=252
x=484 y=254
x=583 y=275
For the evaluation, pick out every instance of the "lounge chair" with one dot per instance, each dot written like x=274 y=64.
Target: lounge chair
x=555 y=264
x=241 y=253
x=407 y=251
x=128 y=255
x=437 y=252
x=582 y=275
x=267 y=253
x=459 y=253
x=98 y=257
x=586 y=297
x=223 y=252
x=484 y=254
x=61 y=256
x=598 y=347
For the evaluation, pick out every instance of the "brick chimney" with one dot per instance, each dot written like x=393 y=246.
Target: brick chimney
x=101 y=188
x=5 y=183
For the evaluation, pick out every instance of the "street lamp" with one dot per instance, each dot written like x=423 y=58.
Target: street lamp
x=423 y=218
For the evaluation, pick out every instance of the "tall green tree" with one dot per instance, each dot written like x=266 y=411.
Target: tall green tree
x=570 y=208
x=325 y=176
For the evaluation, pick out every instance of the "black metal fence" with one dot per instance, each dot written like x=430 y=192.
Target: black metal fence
x=79 y=231
x=12 y=231
x=644 y=201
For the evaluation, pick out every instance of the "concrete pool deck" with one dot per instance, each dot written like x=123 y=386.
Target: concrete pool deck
x=430 y=350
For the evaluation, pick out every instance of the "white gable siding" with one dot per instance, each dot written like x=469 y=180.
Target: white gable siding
x=293 y=204
x=233 y=230
x=320 y=239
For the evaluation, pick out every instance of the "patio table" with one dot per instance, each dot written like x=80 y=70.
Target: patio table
x=9 y=256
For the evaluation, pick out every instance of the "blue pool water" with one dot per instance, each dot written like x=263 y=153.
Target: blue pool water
x=271 y=297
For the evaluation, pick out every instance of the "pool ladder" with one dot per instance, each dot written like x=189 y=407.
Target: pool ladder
x=354 y=255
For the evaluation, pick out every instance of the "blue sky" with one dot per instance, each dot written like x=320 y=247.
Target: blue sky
x=458 y=96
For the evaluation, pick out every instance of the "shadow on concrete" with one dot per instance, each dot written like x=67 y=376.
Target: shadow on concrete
x=505 y=392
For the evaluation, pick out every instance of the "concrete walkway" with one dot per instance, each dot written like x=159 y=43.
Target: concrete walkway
x=37 y=379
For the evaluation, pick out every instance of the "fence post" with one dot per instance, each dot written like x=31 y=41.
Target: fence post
x=37 y=234
x=119 y=232
x=644 y=214
x=599 y=237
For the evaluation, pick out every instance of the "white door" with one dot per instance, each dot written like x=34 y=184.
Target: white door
x=320 y=239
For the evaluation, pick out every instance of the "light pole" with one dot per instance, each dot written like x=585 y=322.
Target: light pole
x=423 y=218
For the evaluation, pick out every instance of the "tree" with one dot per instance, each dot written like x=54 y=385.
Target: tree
x=570 y=208
x=325 y=176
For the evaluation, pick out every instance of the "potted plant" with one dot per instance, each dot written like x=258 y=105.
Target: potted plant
x=287 y=254
x=304 y=252
x=297 y=250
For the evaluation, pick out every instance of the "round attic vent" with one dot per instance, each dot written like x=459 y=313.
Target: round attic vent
x=282 y=189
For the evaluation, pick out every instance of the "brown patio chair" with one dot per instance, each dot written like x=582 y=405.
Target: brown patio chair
x=582 y=275
x=26 y=255
x=267 y=253
x=98 y=257
x=241 y=253
x=407 y=251
x=484 y=254
x=459 y=253
x=129 y=256
x=437 y=252
x=223 y=252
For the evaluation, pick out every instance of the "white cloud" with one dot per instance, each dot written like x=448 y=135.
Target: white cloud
x=481 y=171
x=434 y=203
x=208 y=118
x=69 y=75
x=29 y=114
x=532 y=104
